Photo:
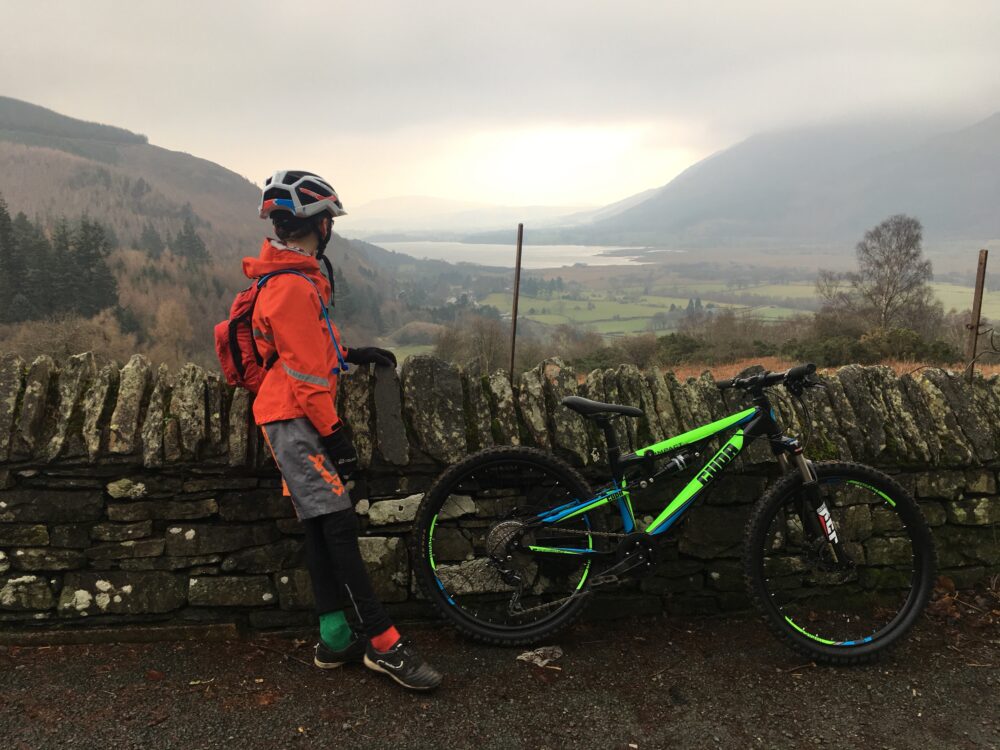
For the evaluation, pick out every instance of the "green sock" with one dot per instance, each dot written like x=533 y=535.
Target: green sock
x=334 y=630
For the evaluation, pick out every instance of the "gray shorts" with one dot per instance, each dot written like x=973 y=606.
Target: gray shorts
x=308 y=474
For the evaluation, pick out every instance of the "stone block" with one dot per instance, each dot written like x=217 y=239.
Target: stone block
x=72 y=535
x=126 y=489
x=934 y=512
x=49 y=506
x=354 y=400
x=31 y=424
x=979 y=511
x=218 y=483
x=133 y=383
x=120 y=532
x=570 y=434
x=294 y=589
x=231 y=591
x=290 y=526
x=74 y=380
x=31 y=535
x=713 y=531
x=215 y=393
x=477 y=410
x=172 y=451
x=885 y=519
x=95 y=405
x=11 y=383
x=4 y=562
x=724 y=575
x=240 y=453
x=888 y=551
x=964 y=545
x=980 y=482
x=268 y=558
x=388 y=566
x=154 y=423
x=119 y=592
x=453 y=545
x=19 y=593
x=130 y=548
x=385 y=512
x=46 y=558
x=171 y=510
x=503 y=422
x=205 y=539
x=187 y=405
x=258 y=505
x=857 y=520
x=195 y=562
x=433 y=406
x=942 y=484
x=390 y=432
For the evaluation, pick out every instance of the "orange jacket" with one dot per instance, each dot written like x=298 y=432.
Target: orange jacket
x=288 y=319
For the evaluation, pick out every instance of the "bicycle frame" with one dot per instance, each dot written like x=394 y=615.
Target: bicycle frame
x=751 y=423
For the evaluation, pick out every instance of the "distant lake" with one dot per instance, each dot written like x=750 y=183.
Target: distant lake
x=532 y=256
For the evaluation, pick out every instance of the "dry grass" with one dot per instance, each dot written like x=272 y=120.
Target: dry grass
x=687 y=370
x=775 y=364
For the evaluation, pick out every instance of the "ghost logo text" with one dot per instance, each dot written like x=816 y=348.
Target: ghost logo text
x=718 y=463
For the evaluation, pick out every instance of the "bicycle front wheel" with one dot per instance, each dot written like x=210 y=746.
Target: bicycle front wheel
x=843 y=578
x=479 y=556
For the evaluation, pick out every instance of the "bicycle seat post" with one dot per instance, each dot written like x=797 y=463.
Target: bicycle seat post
x=611 y=441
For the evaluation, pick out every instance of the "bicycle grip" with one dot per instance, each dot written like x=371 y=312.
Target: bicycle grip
x=800 y=371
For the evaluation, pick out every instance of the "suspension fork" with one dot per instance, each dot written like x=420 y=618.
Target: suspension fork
x=814 y=514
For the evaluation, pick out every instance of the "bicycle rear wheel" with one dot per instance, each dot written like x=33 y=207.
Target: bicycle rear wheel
x=475 y=547
x=835 y=610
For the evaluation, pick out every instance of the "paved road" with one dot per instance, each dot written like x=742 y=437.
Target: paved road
x=644 y=683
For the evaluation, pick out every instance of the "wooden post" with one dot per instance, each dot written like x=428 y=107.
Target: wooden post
x=977 y=309
x=517 y=292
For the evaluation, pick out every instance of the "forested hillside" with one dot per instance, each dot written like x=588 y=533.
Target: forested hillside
x=119 y=245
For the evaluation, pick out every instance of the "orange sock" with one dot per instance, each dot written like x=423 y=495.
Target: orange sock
x=385 y=640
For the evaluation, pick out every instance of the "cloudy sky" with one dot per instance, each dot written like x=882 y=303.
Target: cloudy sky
x=543 y=102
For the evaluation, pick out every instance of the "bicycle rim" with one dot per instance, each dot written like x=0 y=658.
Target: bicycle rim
x=864 y=601
x=481 y=551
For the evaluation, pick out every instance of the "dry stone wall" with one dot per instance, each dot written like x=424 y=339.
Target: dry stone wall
x=136 y=494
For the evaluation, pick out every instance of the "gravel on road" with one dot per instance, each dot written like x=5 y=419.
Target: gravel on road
x=659 y=682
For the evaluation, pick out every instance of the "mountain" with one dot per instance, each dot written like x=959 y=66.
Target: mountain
x=52 y=165
x=818 y=187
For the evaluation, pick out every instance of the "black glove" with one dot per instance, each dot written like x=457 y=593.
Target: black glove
x=363 y=355
x=340 y=449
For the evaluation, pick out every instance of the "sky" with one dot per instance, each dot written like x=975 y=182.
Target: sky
x=515 y=103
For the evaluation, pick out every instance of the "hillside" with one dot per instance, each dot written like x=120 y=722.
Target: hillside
x=52 y=165
x=818 y=188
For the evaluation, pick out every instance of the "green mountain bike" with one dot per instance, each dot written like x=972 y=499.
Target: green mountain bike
x=511 y=543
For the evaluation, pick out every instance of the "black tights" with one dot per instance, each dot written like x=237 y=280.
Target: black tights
x=339 y=576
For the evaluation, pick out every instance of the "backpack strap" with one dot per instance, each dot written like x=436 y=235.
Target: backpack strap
x=329 y=276
x=326 y=314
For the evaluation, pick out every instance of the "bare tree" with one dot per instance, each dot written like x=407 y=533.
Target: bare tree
x=891 y=287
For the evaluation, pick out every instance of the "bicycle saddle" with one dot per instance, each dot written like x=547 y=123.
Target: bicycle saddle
x=588 y=408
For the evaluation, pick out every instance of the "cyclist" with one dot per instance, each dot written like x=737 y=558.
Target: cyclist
x=295 y=408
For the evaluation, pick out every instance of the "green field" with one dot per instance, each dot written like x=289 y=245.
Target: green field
x=629 y=311
x=957 y=297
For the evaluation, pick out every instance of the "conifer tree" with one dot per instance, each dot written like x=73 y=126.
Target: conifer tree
x=97 y=288
x=151 y=242
x=188 y=244
x=7 y=252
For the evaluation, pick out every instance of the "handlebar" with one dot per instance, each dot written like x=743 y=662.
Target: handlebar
x=794 y=375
